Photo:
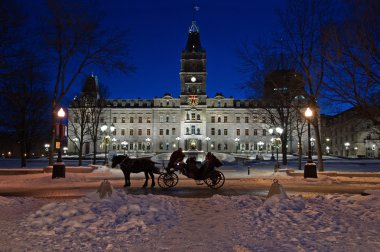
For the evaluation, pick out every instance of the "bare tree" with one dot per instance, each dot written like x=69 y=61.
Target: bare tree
x=77 y=40
x=298 y=123
x=272 y=80
x=12 y=22
x=23 y=97
x=302 y=23
x=353 y=53
x=24 y=102
x=79 y=118
x=95 y=111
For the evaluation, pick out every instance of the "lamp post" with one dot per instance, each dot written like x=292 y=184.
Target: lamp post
x=76 y=140
x=237 y=143
x=148 y=144
x=276 y=143
x=124 y=145
x=65 y=150
x=207 y=139
x=106 y=140
x=260 y=144
x=178 y=139
x=47 y=146
x=272 y=158
x=327 y=146
x=310 y=166
x=59 y=166
x=347 y=145
x=312 y=141
x=114 y=140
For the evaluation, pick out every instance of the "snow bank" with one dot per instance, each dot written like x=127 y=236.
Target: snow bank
x=124 y=222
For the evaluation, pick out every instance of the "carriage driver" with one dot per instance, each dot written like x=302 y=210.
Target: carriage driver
x=175 y=159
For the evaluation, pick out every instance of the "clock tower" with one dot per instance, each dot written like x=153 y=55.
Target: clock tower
x=193 y=69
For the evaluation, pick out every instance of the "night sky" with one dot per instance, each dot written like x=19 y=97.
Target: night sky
x=158 y=33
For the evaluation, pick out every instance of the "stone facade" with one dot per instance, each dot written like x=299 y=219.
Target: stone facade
x=347 y=134
x=192 y=121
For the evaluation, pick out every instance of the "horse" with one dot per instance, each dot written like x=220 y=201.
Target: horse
x=128 y=165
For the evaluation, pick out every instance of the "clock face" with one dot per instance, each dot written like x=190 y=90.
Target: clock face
x=193 y=79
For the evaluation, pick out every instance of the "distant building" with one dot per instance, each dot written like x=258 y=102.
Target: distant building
x=192 y=121
x=347 y=135
x=282 y=83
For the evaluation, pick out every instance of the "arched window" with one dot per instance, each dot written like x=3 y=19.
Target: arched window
x=198 y=117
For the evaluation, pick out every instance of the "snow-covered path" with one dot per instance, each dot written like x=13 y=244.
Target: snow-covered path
x=126 y=222
x=202 y=225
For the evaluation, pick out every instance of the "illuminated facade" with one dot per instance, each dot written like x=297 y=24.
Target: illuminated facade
x=343 y=136
x=191 y=121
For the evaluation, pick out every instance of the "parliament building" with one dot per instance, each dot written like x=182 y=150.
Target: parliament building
x=192 y=121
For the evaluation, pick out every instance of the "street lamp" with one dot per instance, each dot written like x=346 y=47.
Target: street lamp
x=178 y=138
x=260 y=144
x=106 y=140
x=276 y=143
x=207 y=139
x=65 y=150
x=114 y=140
x=347 y=144
x=308 y=115
x=59 y=166
x=310 y=166
x=237 y=143
x=327 y=146
x=76 y=140
x=148 y=143
x=312 y=141
x=124 y=145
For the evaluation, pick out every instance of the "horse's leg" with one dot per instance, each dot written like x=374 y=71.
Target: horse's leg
x=125 y=176
x=146 y=179
x=128 y=179
x=152 y=177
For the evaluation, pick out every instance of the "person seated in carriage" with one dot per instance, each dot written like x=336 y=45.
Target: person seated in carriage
x=176 y=159
x=208 y=164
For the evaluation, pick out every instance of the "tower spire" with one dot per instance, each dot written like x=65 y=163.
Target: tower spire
x=195 y=9
x=194 y=28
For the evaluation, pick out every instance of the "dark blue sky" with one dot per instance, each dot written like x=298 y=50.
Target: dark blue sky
x=158 y=33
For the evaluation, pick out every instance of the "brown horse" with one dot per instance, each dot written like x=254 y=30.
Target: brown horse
x=128 y=165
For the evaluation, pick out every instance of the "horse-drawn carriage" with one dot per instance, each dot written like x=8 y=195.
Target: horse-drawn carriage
x=205 y=172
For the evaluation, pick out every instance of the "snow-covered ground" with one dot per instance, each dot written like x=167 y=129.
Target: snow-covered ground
x=126 y=222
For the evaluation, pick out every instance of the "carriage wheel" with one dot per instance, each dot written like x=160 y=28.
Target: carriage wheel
x=167 y=180
x=215 y=179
